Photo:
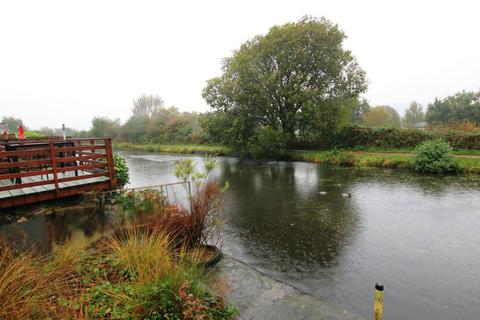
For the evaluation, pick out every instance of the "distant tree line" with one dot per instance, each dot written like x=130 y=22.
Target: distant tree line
x=150 y=122
x=460 y=111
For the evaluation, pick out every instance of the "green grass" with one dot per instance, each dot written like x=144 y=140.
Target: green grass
x=467 y=165
x=410 y=150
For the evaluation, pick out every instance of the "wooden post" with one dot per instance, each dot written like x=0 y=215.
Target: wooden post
x=190 y=197
x=54 y=168
x=378 y=304
x=111 y=167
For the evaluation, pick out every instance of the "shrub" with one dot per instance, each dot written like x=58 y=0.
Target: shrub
x=341 y=158
x=33 y=135
x=356 y=136
x=121 y=171
x=434 y=156
x=266 y=144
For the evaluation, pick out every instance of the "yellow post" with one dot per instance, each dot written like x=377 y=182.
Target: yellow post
x=378 y=305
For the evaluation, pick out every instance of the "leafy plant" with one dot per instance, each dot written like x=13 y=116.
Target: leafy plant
x=341 y=158
x=185 y=170
x=434 y=156
x=198 y=225
x=121 y=171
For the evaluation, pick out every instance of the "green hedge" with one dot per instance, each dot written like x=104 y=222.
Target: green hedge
x=355 y=136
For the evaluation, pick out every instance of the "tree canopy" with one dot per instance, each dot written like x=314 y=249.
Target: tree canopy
x=147 y=105
x=382 y=116
x=297 y=79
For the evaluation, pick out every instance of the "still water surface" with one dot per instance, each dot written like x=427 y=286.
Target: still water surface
x=417 y=235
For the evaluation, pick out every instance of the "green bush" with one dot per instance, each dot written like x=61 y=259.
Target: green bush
x=121 y=171
x=434 y=156
x=341 y=158
x=355 y=137
x=266 y=144
x=33 y=135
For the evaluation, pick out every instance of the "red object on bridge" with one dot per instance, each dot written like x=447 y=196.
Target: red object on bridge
x=21 y=134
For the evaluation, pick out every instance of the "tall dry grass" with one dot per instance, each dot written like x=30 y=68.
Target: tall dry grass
x=158 y=270
x=31 y=284
x=27 y=287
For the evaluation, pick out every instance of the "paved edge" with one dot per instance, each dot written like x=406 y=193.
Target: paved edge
x=258 y=296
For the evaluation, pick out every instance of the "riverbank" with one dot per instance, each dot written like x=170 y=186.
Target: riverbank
x=468 y=160
x=469 y=164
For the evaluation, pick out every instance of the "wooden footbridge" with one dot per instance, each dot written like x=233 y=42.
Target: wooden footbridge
x=33 y=171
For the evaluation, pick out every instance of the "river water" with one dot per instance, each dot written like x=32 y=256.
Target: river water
x=418 y=235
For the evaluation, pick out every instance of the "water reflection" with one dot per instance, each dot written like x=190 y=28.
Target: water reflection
x=42 y=232
x=279 y=214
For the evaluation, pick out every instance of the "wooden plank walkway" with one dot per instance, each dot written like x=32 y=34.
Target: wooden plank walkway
x=48 y=187
x=33 y=171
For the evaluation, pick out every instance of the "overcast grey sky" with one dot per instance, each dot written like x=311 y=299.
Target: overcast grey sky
x=68 y=61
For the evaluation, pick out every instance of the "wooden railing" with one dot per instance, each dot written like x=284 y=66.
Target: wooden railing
x=40 y=163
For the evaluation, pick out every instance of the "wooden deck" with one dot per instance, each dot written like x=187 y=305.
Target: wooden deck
x=45 y=170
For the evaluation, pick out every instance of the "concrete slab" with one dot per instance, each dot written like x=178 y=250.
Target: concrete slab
x=258 y=296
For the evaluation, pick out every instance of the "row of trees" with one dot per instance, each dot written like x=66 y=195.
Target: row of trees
x=386 y=116
x=151 y=122
x=459 y=108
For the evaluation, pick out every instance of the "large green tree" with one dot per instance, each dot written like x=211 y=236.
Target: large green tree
x=297 y=79
x=457 y=108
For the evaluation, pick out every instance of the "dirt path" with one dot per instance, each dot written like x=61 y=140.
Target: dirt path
x=468 y=156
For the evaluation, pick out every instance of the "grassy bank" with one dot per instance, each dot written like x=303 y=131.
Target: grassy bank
x=410 y=150
x=175 y=148
x=385 y=160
